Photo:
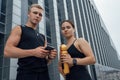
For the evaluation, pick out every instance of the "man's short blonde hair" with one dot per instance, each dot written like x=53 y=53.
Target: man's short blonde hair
x=34 y=5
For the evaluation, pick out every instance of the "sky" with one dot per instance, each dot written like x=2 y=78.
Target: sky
x=110 y=13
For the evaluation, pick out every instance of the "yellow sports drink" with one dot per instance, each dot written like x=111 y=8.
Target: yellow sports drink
x=63 y=50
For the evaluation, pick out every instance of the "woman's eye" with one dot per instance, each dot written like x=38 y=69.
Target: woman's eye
x=63 y=28
x=68 y=27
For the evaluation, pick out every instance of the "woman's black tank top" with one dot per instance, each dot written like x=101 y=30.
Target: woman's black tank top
x=78 y=72
x=31 y=39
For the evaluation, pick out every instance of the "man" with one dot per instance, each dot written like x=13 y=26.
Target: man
x=26 y=44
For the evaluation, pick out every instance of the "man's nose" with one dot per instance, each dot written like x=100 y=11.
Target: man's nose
x=37 y=15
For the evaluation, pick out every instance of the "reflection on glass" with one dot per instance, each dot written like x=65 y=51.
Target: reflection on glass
x=107 y=73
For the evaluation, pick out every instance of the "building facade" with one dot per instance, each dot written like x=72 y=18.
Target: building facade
x=88 y=24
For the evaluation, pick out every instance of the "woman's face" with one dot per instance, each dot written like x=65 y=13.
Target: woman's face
x=67 y=29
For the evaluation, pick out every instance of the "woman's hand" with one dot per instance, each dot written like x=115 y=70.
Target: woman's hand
x=66 y=58
x=60 y=68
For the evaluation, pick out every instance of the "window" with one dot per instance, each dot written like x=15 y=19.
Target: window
x=30 y=2
x=3 y=6
x=2 y=18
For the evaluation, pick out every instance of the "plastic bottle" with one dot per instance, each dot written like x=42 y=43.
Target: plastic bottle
x=63 y=50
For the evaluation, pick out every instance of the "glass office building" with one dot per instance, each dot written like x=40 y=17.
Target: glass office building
x=88 y=24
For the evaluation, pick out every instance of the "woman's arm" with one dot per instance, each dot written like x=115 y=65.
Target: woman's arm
x=85 y=48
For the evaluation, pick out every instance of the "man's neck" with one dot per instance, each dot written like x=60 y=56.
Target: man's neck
x=31 y=25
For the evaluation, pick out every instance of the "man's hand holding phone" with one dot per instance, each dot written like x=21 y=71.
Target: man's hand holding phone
x=49 y=48
x=52 y=53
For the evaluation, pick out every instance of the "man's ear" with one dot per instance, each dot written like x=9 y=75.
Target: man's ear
x=28 y=14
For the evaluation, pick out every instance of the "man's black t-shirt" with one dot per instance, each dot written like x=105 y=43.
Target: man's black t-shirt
x=31 y=39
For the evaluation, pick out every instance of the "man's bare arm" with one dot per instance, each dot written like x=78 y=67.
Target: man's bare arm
x=12 y=51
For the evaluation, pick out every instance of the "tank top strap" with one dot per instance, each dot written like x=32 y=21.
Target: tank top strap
x=74 y=41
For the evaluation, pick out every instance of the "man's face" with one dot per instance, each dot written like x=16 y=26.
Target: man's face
x=35 y=15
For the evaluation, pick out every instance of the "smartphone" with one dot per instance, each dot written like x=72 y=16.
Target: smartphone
x=49 y=48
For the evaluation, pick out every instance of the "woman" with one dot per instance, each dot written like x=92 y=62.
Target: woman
x=79 y=54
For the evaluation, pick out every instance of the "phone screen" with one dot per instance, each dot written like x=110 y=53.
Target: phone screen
x=49 y=48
